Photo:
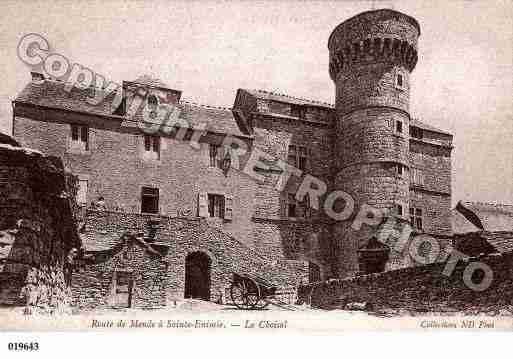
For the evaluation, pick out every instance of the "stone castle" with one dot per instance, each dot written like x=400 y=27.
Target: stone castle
x=196 y=221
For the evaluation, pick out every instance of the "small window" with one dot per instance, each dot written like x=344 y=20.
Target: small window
x=216 y=205
x=416 y=218
x=417 y=177
x=80 y=137
x=399 y=209
x=416 y=132
x=291 y=206
x=399 y=127
x=298 y=157
x=399 y=81
x=296 y=209
x=82 y=192
x=152 y=145
x=314 y=273
x=153 y=102
x=214 y=155
x=149 y=200
x=399 y=170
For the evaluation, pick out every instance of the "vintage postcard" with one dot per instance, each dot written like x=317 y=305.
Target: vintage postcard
x=270 y=166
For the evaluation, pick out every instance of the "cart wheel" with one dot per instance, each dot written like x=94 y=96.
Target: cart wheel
x=238 y=296
x=253 y=296
x=245 y=294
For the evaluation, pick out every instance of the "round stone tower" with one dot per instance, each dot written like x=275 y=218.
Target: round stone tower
x=371 y=57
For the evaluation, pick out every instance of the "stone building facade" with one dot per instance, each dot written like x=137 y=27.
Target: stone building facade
x=366 y=144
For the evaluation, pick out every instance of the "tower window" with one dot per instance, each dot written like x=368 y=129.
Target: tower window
x=399 y=126
x=399 y=81
x=399 y=170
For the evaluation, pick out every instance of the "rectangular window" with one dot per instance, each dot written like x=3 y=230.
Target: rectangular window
x=417 y=177
x=399 y=209
x=399 y=126
x=314 y=273
x=296 y=209
x=416 y=218
x=216 y=205
x=82 y=192
x=152 y=146
x=291 y=205
x=214 y=155
x=298 y=157
x=149 y=200
x=399 y=170
x=399 y=81
x=80 y=137
x=416 y=132
x=302 y=158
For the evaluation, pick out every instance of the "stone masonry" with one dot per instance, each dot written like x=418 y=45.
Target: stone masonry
x=367 y=144
x=37 y=231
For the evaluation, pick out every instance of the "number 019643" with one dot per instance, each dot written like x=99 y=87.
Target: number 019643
x=27 y=347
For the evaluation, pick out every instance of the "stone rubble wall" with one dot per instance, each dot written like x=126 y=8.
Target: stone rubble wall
x=418 y=289
x=159 y=280
x=37 y=230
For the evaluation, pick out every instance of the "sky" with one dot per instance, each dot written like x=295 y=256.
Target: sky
x=463 y=81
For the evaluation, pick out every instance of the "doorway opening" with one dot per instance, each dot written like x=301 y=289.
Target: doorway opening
x=197 y=276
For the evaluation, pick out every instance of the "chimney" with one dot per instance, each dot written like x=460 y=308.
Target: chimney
x=37 y=77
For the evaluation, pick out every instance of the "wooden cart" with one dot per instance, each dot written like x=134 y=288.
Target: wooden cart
x=251 y=292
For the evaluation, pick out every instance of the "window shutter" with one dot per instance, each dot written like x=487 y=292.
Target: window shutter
x=203 y=204
x=228 y=207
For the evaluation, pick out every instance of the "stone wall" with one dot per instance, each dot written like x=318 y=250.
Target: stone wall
x=37 y=230
x=116 y=168
x=433 y=196
x=160 y=279
x=418 y=289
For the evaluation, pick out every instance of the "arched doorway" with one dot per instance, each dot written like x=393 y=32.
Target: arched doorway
x=197 y=276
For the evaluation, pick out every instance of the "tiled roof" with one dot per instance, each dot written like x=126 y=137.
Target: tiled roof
x=460 y=224
x=274 y=96
x=52 y=94
x=502 y=241
x=417 y=123
x=488 y=216
x=217 y=119
x=150 y=81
